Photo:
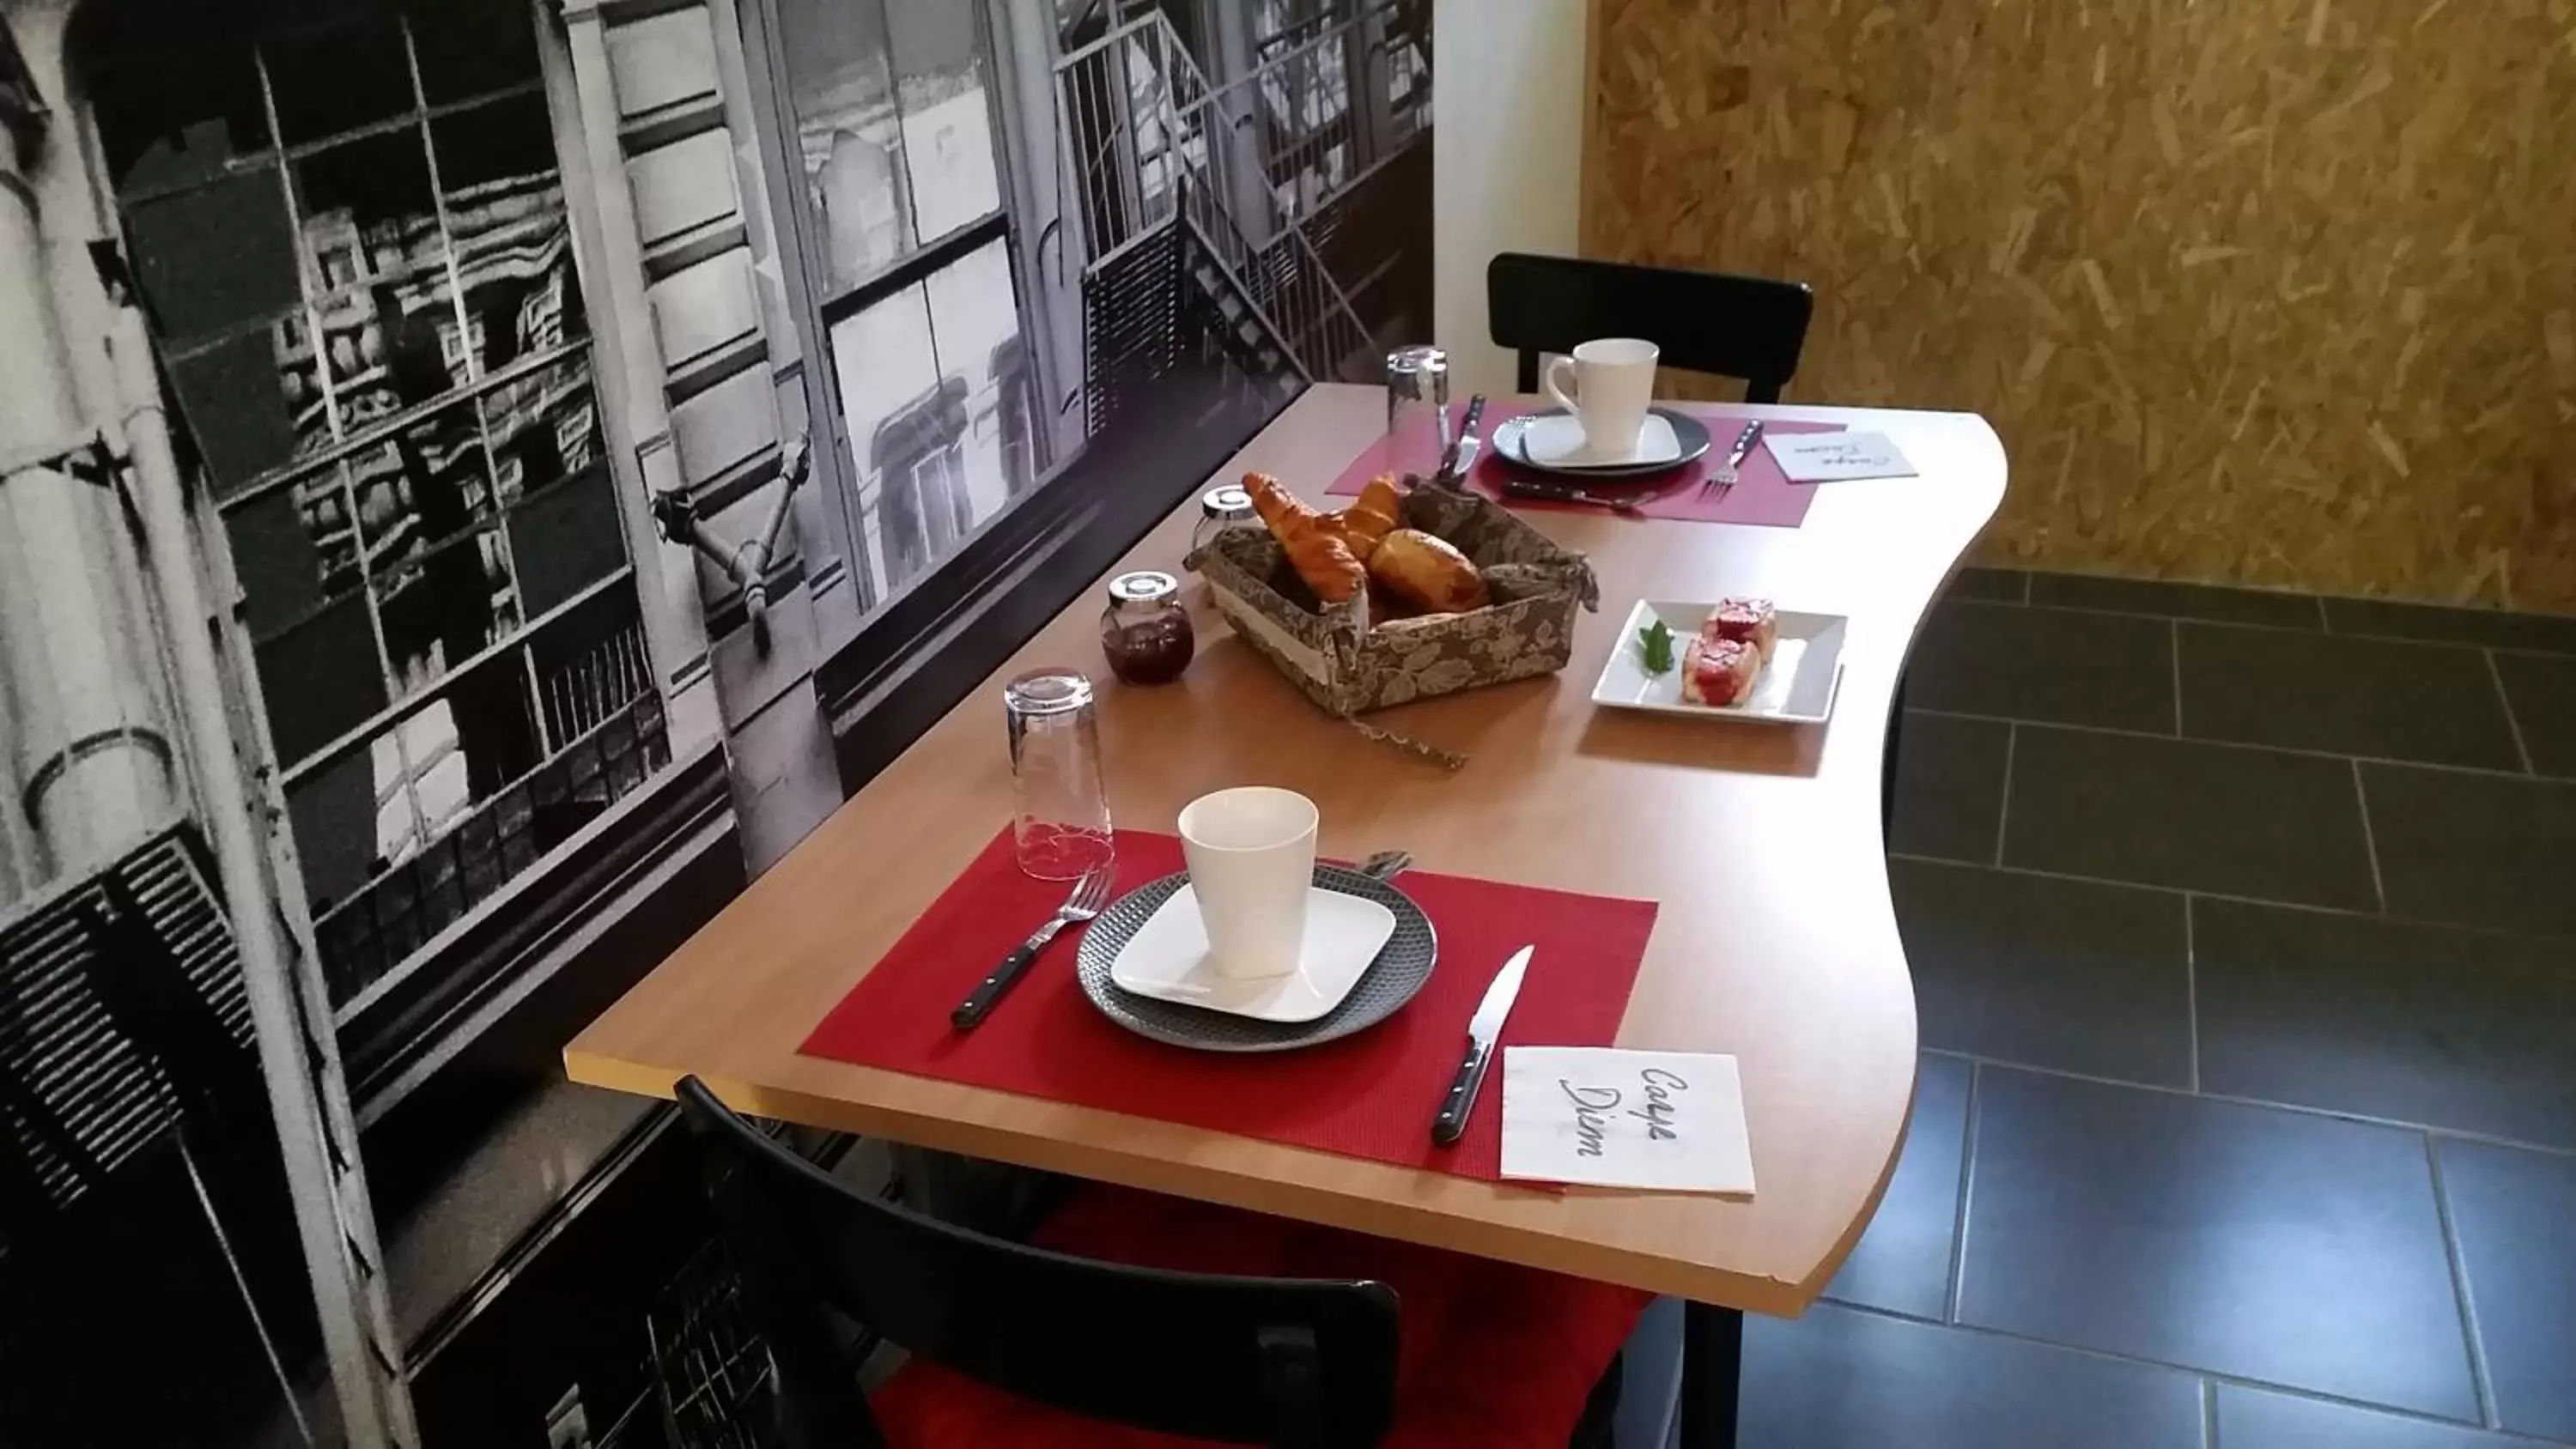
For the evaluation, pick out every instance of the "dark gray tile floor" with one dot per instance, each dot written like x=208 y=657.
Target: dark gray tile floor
x=2223 y=819
x=2253 y=1419
x=2475 y=849
x=1950 y=787
x=2541 y=689
x=2470 y=1030
x=1903 y=1263
x=2071 y=974
x=2015 y=662
x=2243 y=927
x=2291 y=1248
x=2179 y=601
x=1839 y=1379
x=2346 y=696
x=2515 y=1215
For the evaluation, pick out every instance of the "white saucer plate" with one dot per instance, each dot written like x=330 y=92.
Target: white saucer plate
x=1167 y=959
x=1797 y=686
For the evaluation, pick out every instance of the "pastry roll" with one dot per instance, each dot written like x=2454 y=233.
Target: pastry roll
x=1750 y=621
x=1719 y=671
x=1426 y=572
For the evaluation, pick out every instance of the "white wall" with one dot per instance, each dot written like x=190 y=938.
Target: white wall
x=1506 y=158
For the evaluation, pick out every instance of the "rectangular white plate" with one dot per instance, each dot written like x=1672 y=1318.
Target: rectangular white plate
x=1796 y=687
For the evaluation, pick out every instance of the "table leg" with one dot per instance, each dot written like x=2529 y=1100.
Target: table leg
x=1712 y=1365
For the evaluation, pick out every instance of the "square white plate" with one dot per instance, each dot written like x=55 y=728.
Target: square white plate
x=1555 y=440
x=1168 y=960
x=1796 y=687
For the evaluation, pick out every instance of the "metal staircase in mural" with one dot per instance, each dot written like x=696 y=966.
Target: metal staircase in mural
x=1175 y=176
x=127 y=1027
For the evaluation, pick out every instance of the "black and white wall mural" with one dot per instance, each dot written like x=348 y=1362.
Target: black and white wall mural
x=468 y=469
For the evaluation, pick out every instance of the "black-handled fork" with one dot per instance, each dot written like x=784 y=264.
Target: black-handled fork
x=1723 y=476
x=1089 y=894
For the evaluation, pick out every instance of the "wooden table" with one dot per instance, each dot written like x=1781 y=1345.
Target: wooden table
x=1776 y=941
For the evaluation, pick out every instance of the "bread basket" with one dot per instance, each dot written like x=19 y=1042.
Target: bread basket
x=1349 y=667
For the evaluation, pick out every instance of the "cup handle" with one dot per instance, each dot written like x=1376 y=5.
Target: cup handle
x=1556 y=391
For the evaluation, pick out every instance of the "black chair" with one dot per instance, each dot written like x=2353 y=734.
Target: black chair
x=1296 y=1363
x=1292 y=1364
x=1747 y=327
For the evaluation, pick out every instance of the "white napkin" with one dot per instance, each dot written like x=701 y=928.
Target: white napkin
x=1668 y=1121
x=1828 y=457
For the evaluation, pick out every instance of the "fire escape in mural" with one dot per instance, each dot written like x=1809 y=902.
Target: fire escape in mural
x=1252 y=214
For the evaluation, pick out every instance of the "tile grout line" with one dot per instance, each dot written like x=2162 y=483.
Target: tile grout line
x=2191 y=986
x=2208 y=1413
x=2296 y=1109
x=2458 y=1263
x=1967 y=1187
x=2503 y=932
x=2495 y=671
x=2215 y=1377
x=2369 y=838
x=2003 y=807
x=2177 y=678
x=2325 y=619
x=2299 y=750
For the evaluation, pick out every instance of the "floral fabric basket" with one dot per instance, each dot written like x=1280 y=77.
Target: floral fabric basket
x=1350 y=667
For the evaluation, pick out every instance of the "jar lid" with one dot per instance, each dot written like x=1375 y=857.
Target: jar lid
x=1230 y=503
x=1144 y=588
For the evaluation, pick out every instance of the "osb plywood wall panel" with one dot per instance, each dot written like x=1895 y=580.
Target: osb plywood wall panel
x=2274 y=291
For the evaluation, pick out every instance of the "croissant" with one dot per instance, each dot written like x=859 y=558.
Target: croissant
x=1371 y=516
x=1315 y=546
x=1282 y=510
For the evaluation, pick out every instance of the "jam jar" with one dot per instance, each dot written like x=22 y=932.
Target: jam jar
x=1219 y=510
x=1145 y=631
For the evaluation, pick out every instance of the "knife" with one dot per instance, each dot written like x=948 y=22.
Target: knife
x=1483 y=1031
x=1462 y=449
x=1567 y=493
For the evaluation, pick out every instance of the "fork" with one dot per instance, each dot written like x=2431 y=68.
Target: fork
x=1089 y=894
x=1725 y=474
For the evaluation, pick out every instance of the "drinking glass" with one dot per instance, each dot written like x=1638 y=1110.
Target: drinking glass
x=1060 y=816
x=1417 y=410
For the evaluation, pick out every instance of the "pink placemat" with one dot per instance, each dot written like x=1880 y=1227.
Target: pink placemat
x=1761 y=495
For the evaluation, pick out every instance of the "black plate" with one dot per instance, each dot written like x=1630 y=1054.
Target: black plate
x=1387 y=983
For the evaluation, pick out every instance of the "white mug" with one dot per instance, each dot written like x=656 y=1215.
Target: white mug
x=1251 y=853
x=1614 y=380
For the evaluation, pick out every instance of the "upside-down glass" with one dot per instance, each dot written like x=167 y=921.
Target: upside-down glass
x=1417 y=410
x=1060 y=815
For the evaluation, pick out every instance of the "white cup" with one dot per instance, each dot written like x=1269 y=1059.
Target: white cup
x=1251 y=853
x=1614 y=380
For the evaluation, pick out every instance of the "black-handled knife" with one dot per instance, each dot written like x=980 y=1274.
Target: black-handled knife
x=1484 y=1031
x=1565 y=493
x=1462 y=448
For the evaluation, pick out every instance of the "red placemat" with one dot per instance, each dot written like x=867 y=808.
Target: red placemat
x=1761 y=495
x=1372 y=1094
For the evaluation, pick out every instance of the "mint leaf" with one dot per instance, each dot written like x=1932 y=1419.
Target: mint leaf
x=1655 y=643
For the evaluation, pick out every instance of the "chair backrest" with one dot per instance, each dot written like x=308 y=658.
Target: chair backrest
x=1747 y=327
x=1292 y=1363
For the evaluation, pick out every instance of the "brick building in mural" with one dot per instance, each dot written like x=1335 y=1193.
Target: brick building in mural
x=446 y=447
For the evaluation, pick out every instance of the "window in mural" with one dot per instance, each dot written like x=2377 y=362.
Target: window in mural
x=902 y=160
x=353 y=243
